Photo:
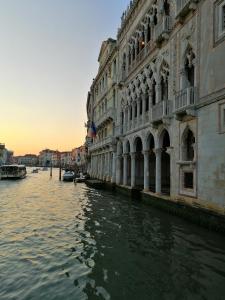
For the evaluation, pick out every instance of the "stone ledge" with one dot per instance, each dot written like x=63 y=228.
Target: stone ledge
x=192 y=211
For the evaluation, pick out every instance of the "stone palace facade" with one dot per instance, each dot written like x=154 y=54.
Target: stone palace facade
x=158 y=102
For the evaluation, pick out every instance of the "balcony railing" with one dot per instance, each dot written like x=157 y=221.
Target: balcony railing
x=106 y=141
x=161 y=110
x=185 y=98
x=141 y=56
x=184 y=6
x=109 y=114
x=163 y=29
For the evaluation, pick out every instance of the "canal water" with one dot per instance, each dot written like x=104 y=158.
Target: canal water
x=60 y=241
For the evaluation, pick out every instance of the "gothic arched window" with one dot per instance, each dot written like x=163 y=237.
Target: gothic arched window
x=190 y=68
x=148 y=33
x=153 y=92
x=188 y=145
x=166 y=7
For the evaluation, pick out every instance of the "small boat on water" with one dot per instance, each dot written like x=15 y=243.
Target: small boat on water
x=81 y=178
x=68 y=176
x=13 y=172
x=35 y=170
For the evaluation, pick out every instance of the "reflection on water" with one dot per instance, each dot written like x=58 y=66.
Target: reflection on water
x=64 y=241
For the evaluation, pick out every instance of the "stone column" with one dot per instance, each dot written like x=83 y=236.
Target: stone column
x=170 y=151
x=133 y=167
x=128 y=121
x=183 y=79
x=118 y=170
x=143 y=109
x=138 y=112
x=125 y=121
x=113 y=180
x=91 y=165
x=98 y=167
x=158 y=153
x=133 y=115
x=125 y=163
x=158 y=92
x=146 y=170
x=102 y=166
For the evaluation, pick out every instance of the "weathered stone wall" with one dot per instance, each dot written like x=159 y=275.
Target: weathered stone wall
x=211 y=156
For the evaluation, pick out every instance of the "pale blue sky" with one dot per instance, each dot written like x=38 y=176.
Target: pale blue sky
x=48 y=57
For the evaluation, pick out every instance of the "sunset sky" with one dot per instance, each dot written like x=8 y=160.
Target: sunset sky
x=48 y=58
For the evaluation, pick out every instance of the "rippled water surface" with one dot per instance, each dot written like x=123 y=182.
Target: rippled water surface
x=64 y=241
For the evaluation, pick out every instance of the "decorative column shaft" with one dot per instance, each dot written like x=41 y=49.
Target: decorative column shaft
x=158 y=153
x=125 y=163
x=146 y=170
x=133 y=115
x=118 y=170
x=114 y=167
x=133 y=167
x=128 y=121
x=138 y=112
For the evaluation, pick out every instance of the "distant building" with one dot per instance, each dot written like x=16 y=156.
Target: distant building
x=66 y=159
x=27 y=160
x=79 y=157
x=56 y=159
x=45 y=157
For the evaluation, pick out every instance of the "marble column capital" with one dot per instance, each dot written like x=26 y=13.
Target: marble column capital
x=158 y=151
x=133 y=154
x=145 y=152
x=169 y=150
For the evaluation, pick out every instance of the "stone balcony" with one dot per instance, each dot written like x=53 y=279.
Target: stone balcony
x=185 y=100
x=163 y=29
x=184 y=7
x=100 y=144
x=146 y=51
x=105 y=117
x=161 y=110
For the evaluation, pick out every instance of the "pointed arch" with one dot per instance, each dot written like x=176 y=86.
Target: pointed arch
x=188 y=142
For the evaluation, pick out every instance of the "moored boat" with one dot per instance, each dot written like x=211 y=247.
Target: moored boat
x=13 y=172
x=68 y=176
x=81 y=178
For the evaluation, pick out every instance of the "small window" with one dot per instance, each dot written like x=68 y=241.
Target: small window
x=219 y=21
x=188 y=180
x=222 y=117
x=223 y=17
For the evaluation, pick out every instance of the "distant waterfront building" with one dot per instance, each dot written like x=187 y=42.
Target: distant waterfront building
x=66 y=159
x=27 y=160
x=158 y=102
x=45 y=157
x=79 y=158
x=56 y=158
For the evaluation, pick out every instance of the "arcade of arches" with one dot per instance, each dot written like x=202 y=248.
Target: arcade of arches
x=145 y=163
x=145 y=167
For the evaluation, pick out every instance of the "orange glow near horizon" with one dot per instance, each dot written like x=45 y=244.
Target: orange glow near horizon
x=48 y=59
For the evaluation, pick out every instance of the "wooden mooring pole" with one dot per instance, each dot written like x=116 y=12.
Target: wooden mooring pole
x=60 y=172
x=51 y=170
